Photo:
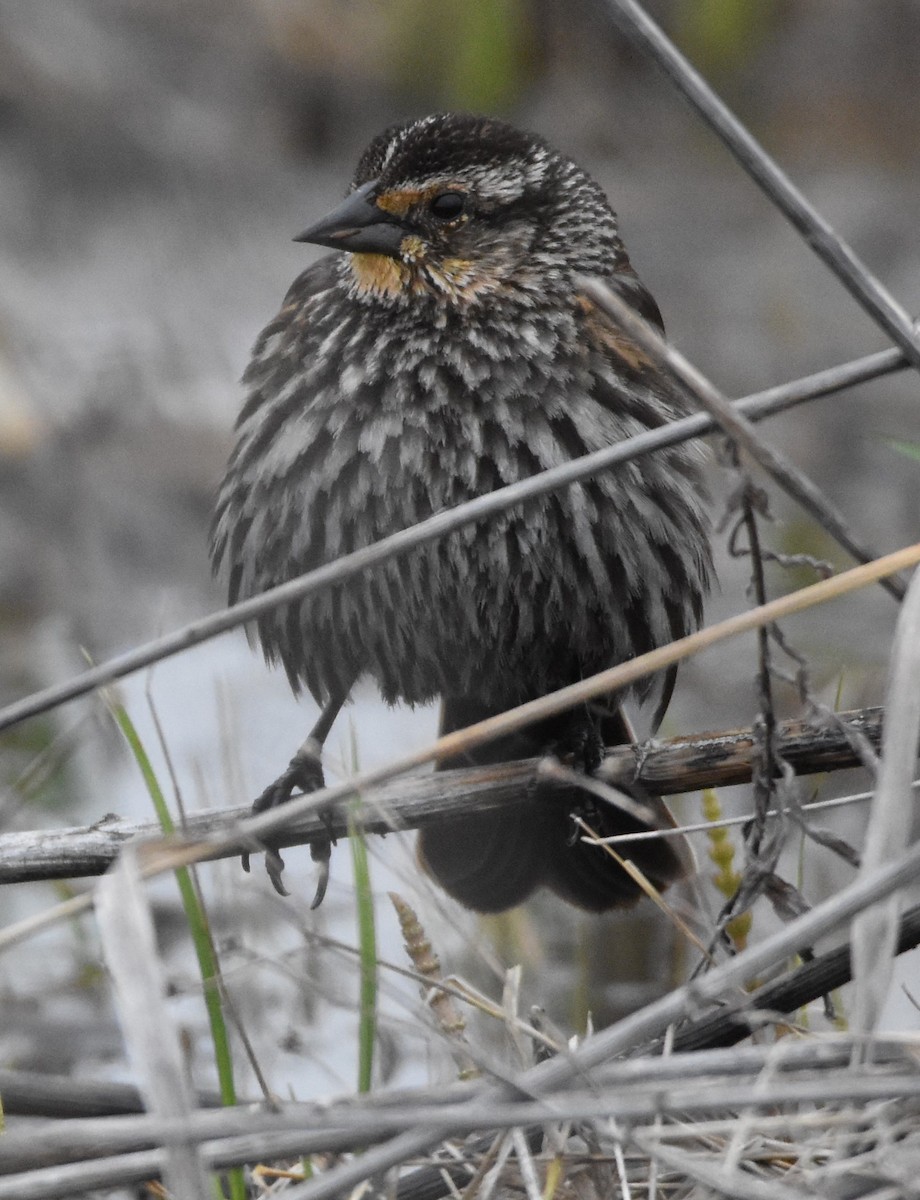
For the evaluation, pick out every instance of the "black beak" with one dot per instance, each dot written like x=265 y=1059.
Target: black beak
x=358 y=225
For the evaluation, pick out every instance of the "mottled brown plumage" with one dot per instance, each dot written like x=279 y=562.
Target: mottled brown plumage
x=445 y=353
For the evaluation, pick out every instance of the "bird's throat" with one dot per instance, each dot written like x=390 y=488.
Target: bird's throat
x=379 y=275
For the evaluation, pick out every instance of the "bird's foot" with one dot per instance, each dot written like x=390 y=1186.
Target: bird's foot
x=581 y=748
x=304 y=773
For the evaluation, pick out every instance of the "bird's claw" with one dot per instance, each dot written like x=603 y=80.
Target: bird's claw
x=585 y=810
x=305 y=773
x=321 y=853
x=583 y=746
x=274 y=866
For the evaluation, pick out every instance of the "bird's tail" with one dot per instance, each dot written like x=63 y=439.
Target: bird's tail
x=493 y=861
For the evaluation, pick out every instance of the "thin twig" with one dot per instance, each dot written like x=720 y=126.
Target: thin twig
x=766 y=770
x=692 y=384
x=810 y=981
x=756 y=407
x=648 y=1022
x=636 y=1090
x=367 y=1115
x=604 y=683
x=815 y=230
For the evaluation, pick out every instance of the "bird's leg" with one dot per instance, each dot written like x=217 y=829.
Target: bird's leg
x=304 y=771
x=582 y=745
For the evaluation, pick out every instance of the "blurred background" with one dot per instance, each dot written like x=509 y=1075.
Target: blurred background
x=156 y=157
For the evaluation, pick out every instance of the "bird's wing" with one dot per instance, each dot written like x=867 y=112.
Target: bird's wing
x=634 y=387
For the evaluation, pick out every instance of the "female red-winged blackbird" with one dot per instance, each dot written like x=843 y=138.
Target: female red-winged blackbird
x=448 y=352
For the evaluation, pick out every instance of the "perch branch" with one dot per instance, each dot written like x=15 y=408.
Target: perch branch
x=682 y=764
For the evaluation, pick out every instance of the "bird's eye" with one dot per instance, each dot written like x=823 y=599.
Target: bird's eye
x=447 y=206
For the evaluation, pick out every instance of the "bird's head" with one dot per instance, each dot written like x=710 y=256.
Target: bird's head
x=460 y=208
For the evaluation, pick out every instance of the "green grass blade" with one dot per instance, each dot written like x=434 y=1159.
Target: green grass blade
x=367 y=947
x=198 y=927
x=911 y=449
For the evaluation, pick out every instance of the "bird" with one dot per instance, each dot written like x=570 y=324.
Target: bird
x=443 y=350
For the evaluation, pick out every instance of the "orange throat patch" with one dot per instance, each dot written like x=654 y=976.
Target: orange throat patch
x=454 y=279
x=379 y=275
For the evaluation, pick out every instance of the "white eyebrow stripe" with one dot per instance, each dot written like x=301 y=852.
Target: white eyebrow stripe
x=498 y=182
